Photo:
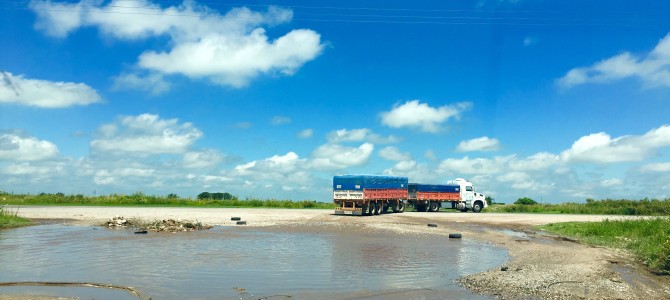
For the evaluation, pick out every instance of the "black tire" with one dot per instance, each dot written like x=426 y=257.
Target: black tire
x=235 y=218
x=241 y=223
x=432 y=225
x=385 y=208
x=364 y=210
x=401 y=207
x=455 y=236
x=433 y=206
x=477 y=207
x=396 y=207
x=378 y=208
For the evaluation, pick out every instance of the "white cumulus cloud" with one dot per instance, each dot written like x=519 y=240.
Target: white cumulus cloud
x=336 y=157
x=16 y=146
x=45 y=94
x=145 y=134
x=479 y=144
x=652 y=68
x=230 y=49
x=422 y=116
x=602 y=148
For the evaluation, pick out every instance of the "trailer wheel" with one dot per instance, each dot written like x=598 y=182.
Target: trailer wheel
x=371 y=209
x=378 y=208
x=477 y=207
x=434 y=206
x=401 y=207
x=396 y=207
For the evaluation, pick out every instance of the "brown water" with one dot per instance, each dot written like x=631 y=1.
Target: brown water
x=242 y=263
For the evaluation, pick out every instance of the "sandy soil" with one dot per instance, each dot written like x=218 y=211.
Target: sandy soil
x=541 y=266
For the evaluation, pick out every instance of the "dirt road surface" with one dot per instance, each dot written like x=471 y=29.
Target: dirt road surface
x=542 y=266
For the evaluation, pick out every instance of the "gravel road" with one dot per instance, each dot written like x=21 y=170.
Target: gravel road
x=542 y=266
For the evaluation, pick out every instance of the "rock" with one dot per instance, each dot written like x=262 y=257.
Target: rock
x=504 y=269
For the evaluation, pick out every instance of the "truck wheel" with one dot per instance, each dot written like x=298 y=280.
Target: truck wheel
x=364 y=210
x=371 y=209
x=401 y=207
x=385 y=208
x=396 y=207
x=434 y=206
x=378 y=208
x=477 y=207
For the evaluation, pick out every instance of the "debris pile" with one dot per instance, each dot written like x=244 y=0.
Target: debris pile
x=118 y=221
x=173 y=225
x=169 y=225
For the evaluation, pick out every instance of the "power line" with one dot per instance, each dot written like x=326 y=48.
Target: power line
x=354 y=18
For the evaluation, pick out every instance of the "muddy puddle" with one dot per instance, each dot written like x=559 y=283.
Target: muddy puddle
x=241 y=263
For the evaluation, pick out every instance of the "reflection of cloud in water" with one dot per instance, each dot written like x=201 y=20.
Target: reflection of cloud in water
x=264 y=261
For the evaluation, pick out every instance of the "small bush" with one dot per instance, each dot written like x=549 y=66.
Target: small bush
x=525 y=201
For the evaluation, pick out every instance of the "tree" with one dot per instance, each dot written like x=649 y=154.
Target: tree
x=172 y=196
x=228 y=196
x=489 y=200
x=525 y=201
x=204 y=195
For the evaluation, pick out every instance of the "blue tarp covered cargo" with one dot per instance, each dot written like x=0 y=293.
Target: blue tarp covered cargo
x=442 y=188
x=360 y=182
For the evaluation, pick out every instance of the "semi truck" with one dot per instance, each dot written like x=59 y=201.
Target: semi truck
x=376 y=194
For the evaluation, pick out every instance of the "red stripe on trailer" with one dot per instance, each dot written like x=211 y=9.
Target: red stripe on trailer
x=437 y=196
x=385 y=194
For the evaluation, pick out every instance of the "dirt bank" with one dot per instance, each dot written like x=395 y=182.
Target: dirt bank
x=541 y=266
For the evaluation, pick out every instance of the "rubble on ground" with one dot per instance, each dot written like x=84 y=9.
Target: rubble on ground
x=169 y=225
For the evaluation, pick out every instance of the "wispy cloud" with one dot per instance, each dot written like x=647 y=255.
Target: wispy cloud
x=652 y=68
x=479 y=144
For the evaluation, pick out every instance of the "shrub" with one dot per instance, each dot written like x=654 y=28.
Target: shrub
x=525 y=201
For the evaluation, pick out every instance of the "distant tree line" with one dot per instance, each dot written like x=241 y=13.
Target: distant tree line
x=216 y=196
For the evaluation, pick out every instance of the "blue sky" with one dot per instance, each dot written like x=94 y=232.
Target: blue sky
x=270 y=99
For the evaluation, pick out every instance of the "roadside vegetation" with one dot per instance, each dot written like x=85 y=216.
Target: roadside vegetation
x=647 y=239
x=10 y=219
x=141 y=199
x=644 y=207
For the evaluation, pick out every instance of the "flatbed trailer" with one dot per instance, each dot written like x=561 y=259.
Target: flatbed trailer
x=369 y=194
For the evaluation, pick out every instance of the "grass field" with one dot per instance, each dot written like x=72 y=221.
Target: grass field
x=10 y=219
x=140 y=199
x=644 y=207
x=648 y=240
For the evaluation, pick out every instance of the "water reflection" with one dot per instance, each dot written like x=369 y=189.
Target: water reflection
x=235 y=262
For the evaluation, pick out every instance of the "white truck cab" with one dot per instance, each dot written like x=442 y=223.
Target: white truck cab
x=471 y=199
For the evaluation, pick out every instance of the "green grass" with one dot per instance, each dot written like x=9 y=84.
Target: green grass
x=140 y=199
x=11 y=219
x=645 y=207
x=648 y=240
